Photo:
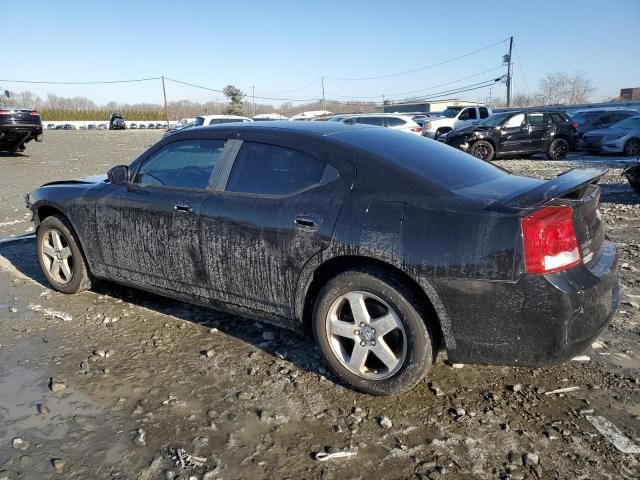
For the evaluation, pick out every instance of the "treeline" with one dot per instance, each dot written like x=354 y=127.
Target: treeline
x=51 y=114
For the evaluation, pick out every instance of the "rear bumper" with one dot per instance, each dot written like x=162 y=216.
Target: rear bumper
x=615 y=146
x=540 y=320
x=15 y=134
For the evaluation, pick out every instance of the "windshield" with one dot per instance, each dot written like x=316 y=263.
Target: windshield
x=450 y=112
x=495 y=120
x=633 y=122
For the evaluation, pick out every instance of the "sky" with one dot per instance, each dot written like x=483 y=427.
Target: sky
x=283 y=48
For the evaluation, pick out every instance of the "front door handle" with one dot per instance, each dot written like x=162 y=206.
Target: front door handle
x=183 y=208
x=307 y=222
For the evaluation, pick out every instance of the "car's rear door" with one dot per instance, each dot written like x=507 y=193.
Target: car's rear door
x=539 y=126
x=275 y=207
x=149 y=228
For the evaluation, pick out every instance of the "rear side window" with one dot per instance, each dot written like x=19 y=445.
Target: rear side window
x=444 y=166
x=377 y=121
x=182 y=164
x=557 y=118
x=484 y=113
x=218 y=121
x=537 y=119
x=265 y=169
x=395 y=122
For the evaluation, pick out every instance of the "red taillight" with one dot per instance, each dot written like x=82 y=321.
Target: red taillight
x=5 y=112
x=35 y=114
x=550 y=242
x=574 y=125
x=416 y=129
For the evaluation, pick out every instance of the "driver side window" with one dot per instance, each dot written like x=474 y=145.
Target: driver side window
x=515 y=121
x=181 y=164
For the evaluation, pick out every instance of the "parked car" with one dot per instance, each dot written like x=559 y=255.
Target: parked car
x=142 y=126
x=587 y=120
x=133 y=126
x=60 y=127
x=621 y=137
x=515 y=133
x=116 y=122
x=91 y=126
x=51 y=126
x=82 y=127
x=205 y=120
x=69 y=126
x=453 y=118
x=18 y=126
x=160 y=125
x=402 y=123
x=424 y=247
x=102 y=126
x=151 y=125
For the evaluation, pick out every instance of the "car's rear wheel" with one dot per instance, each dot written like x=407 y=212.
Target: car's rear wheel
x=482 y=150
x=371 y=332
x=558 y=149
x=632 y=147
x=60 y=257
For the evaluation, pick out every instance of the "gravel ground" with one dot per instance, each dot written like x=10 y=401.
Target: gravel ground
x=112 y=383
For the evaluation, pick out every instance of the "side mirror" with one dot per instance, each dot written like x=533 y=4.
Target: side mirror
x=118 y=175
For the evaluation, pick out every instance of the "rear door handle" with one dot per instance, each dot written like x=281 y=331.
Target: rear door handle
x=307 y=222
x=183 y=208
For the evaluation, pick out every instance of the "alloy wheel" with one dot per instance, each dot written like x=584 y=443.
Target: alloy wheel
x=57 y=256
x=559 y=149
x=481 y=151
x=366 y=335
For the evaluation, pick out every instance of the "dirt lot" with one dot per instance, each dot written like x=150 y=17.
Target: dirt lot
x=144 y=375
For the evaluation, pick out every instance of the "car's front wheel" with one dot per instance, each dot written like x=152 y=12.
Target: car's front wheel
x=632 y=147
x=482 y=150
x=558 y=149
x=371 y=332
x=60 y=257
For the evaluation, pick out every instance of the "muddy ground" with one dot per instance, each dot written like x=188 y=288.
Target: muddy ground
x=144 y=375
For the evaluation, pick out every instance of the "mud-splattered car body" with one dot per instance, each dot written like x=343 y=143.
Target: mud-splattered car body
x=447 y=224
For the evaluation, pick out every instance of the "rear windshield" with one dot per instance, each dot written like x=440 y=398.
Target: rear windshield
x=444 y=166
x=585 y=117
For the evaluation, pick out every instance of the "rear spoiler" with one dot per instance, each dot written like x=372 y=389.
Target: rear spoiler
x=565 y=183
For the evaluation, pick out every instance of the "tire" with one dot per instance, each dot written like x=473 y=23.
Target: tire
x=408 y=344
x=57 y=243
x=439 y=132
x=558 y=149
x=632 y=148
x=482 y=150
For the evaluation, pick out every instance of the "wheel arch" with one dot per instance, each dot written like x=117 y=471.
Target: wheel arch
x=312 y=281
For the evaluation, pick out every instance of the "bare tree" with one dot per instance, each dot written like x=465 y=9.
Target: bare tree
x=562 y=88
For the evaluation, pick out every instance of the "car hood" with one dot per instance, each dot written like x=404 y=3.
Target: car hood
x=78 y=181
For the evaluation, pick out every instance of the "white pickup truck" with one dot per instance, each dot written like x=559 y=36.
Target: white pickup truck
x=454 y=117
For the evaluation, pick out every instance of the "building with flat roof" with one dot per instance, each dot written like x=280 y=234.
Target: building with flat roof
x=433 y=106
x=630 y=93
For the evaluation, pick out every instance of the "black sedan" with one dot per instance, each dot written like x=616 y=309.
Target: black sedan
x=516 y=133
x=386 y=246
x=18 y=126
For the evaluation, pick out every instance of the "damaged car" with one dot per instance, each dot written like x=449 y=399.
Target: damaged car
x=385 y=247
x=18 y=126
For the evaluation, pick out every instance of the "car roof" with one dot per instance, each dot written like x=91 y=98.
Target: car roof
x=277 y=126
x=212 y=117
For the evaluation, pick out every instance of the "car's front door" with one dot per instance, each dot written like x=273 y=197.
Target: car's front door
x=149 y=228
x=514 y=134
x=278 y=208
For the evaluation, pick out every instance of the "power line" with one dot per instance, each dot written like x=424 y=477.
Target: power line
x=84 y=83
x=261 y=98
x=419 y=69
x=295 y=89
x=422 y=89
x=524 y=75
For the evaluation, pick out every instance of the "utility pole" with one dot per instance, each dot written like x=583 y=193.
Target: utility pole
x=166 y=109
x=324 y=104
x=383 y=103
x=509 y=72
x=254 y=100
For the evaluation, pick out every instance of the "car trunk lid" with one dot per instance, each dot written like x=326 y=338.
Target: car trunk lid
x=575 y=188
